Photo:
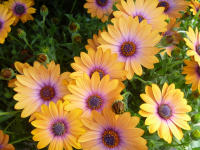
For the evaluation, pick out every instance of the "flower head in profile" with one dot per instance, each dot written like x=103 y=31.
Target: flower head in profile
x=172 y=7
x=21 y=9
x=195 y=6
x=144 y=10
x=133 y=44
x=193 y=73
x=6 y=19
x=39 y=85
x=93 y=94
x=165 y=111
x=100 y=8
x=193 y=43
x=170 y=32
x=57 y=127
x=104 y=63
x=105 y=131
x=4 y=138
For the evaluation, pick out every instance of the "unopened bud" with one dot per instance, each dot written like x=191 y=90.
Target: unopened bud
x=176 y=74
x=55 y=20
x=9 y=38
x=21 y=33
x=34 y=27
x=76 y=38
x=73 y=27
x=42 y=58
x=44 y=11
x=194 y=96
x=7 y=74
x=167 y=40
x=176 y=52
x=196 y=118
x=45 y=49
x=195 y=135
x=118 y=107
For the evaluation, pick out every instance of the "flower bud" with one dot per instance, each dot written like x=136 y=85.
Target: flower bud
x=196 y=118
x=150 y=143
x=44 y=11
x=194 y=96
x=21 y=33
x=176 y=74
x=9 y=39
x=55 y=20
x=186 y=14
x=42 y=58
x=34 y=27
x=7 y=74
x=45 y=49
x=167 y=40
x=176 y=52
x=76 y=38
x=118 y=107
x=195 y=135
x=73 y=27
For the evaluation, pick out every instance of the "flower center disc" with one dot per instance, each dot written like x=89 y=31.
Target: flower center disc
x=164 y=111
x=94 y=102
x=102 y=2
x=59 y=128
x=101 y=73
x=19 y=9
x=47 y=93
x=198 y=49
x=140 y=18
x=163 y=4
x=110 y=139
x=128 y=48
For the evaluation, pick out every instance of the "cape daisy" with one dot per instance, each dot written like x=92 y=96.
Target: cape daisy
x=144 y=9
x=172 y=7
x=165 y=111
x=104 y=63
x=107 y=132
x=93 y=94
x=4 y=138
x=193 y=73
x=195 y=6
x=6 y=20
x=193 y=43
x=21 y=9
x=38 y=86
x=100 y=8
x=133 y=44
x=57 y=127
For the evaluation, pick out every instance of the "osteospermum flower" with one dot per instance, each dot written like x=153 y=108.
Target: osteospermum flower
x=107 y=132
x=133 y=44
x=39 y=85
x=57 y=127
x=6 y=20
x=165 y=111
x=193 y=73
x=104 y=63
x=172 y=7
x=4 y=138
x=193 y=43
x=100 y=8
x=93 y=94
x=170 y=32
x=195 y=6
x=21 y=9
x=143 y=10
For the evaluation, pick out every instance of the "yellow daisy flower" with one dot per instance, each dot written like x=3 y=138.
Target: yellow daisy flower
x=57 y=127
x=108 y=131
x=100 y=8
x=104 y=63
x=6 y=20
x=193 y=73
x=39 y=85
x=133 y=44
x=172 y=7
x=144 y=9
x=195 y=6
x=172 y=24
x=165 y=111
x=21 y=9
x=4 y=138
x=93 y=94
x=193 y=43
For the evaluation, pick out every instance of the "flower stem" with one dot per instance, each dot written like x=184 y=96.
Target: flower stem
x=15 y=39
x=140 y=79
x=179 y=62
x=73 y=7
x=28 y=44
x=44 y=25
x=22 y=139
x=8 y=113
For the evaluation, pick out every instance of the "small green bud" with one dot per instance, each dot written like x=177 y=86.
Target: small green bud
x=176 y=52
x=76 y=38
x=195 y=135
x=34 y=27
x=55 y=20
x=194 y=96
x=21 y=33
x=167 y=20
x=43 y=58
x=7 y=74
x=44 y=11
x=51 y=41
x=196 y=118
x=14 y=52
x=176 y=74
x=73 y=27
x=150 y=143
x=9 y=38
x=118 y=107
x=45 y=49
x=167 y=40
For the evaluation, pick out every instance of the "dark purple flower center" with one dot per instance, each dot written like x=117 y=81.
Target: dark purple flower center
x=140 y=18
x=59 y=128
x=101 y=73
x=128 y=48
x=47 y=93
x=94 y=102
x=19 y=9
x=102 y=2
x=110 y=139
x=164 y=111
x=164 y=4
x=198 y=49
x=0 y=25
